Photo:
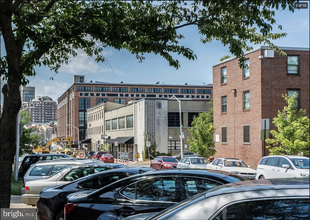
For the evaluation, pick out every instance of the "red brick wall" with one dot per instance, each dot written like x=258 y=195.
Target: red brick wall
x=259 y=86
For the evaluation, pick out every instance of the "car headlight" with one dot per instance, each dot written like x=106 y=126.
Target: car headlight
x=167 y=165
x=235 y=172
x=304 y=175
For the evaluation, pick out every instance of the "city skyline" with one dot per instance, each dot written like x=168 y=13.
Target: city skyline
x=123 y=66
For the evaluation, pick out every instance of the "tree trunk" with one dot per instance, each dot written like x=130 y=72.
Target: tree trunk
x=11 y=106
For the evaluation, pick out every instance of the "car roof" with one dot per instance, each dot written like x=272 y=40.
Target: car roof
x=65 y=161
x=288 y=156
x=260 y=185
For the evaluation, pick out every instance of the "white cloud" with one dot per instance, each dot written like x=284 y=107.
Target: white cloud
x=83 y=64
x=51 y=88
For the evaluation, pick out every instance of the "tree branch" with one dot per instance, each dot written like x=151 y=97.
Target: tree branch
x=15 y=5
x=187 y=24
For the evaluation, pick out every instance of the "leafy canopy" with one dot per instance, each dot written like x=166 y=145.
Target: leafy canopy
x=202 y=132
x=293 y=134
x=50 y=32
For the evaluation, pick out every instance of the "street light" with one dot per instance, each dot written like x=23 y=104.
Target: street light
x=78 y=131
x=181 y=133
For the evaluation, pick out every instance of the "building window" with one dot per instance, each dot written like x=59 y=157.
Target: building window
x=224 y=73
x=291 y=92
x=171 y=90
x=188 y=91
x=174 y=119
x=108 y=125
x=224 y=104
x=81 y=119
x=119 y=89
x=102 y=89
x=246 y=100
x=129 y=121
x=137 y=89
x=84 y=88
x=120 y=101
x=191 y=116
x=121 y=123
x=84 y=103
x=101 y=100
x=154 y=90
x=246 y=133
x=224 y=135
x=292 y=64
x=203 y=91
x=246 y=70
x=114 y=124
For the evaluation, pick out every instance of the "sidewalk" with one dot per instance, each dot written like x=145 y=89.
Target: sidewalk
x=16 y=202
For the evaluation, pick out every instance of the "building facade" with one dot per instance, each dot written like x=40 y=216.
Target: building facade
x=126 y=128
x=43 y=110
x=27 y=93
x=246 y=101
x=73 y=104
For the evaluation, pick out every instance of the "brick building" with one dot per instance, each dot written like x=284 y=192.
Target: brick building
x=242 y=98
x=73 y=104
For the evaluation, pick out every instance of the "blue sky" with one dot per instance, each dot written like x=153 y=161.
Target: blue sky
x=123 y=66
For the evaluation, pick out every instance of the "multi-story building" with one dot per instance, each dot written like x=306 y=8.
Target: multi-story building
x=246 y=101
x=42 y=109
x=126 y=128
x=73 y=104
x=27 y=93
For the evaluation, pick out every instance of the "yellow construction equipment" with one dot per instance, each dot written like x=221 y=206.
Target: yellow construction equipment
x=66 y=149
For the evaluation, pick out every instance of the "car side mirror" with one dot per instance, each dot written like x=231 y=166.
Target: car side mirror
x=220 y=164
x=285 y=166
x=249 y=166
x=187 y=162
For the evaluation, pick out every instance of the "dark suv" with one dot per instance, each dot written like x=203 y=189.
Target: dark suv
x=34 y=158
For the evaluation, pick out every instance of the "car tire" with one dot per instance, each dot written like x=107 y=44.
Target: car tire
x=261 y=177
x=60 y=215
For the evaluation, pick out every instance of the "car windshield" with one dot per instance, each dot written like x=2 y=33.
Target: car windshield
x=169 y=159
x=197 y=161
x=301 y=163
x=234 y=163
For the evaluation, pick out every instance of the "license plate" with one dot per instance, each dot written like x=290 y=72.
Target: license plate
x=109 y=158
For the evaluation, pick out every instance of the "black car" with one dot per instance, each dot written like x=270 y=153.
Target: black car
x=34 y=158
x=257 y=199
x=147 y=192
x=53 y=199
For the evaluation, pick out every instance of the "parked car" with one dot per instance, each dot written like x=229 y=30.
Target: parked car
x=53 y=199
x=74 y=172
x=90 y=154
x=107 y=158
x=44 y=169
x=282 y=166
x=193 y=163
x=233 y=165
x=186 y=154
x=256 y=199
x=164 y=162
x=33 y=158
x=98 y=154
x=150 y=191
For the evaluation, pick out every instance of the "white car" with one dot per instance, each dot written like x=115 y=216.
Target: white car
x=192 y=163
x=283 y=166
x=233 y=165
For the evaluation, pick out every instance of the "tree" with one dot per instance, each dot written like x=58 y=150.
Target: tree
x=225 y=57
x=293 y=134
x=29 y=139
x=202 y=132
x=48 y=32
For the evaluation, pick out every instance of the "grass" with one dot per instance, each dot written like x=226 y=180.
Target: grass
x=16 y=185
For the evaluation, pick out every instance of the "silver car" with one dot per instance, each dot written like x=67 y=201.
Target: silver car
x=43 y=170
x=192 y=163
x=257 y=199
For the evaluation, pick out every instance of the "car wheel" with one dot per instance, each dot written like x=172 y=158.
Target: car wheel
x=261 y=177
x=60 y=215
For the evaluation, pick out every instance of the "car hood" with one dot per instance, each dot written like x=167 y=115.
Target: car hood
x=198 y=166
x=239 y=169
x=140 y=216
x=304 y=170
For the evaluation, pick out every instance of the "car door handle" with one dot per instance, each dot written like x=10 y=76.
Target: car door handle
x=127 y=211
x=273 y=169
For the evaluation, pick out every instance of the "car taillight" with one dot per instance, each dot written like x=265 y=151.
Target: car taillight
x=27 y=188
x=68 y=208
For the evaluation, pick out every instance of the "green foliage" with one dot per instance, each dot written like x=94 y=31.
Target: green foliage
x=29 y=139
x=293 y=134
x=16 y=185
x=202 y=132
x=224 y=57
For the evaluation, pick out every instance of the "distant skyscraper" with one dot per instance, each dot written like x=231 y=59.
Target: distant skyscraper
x=27 y=93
